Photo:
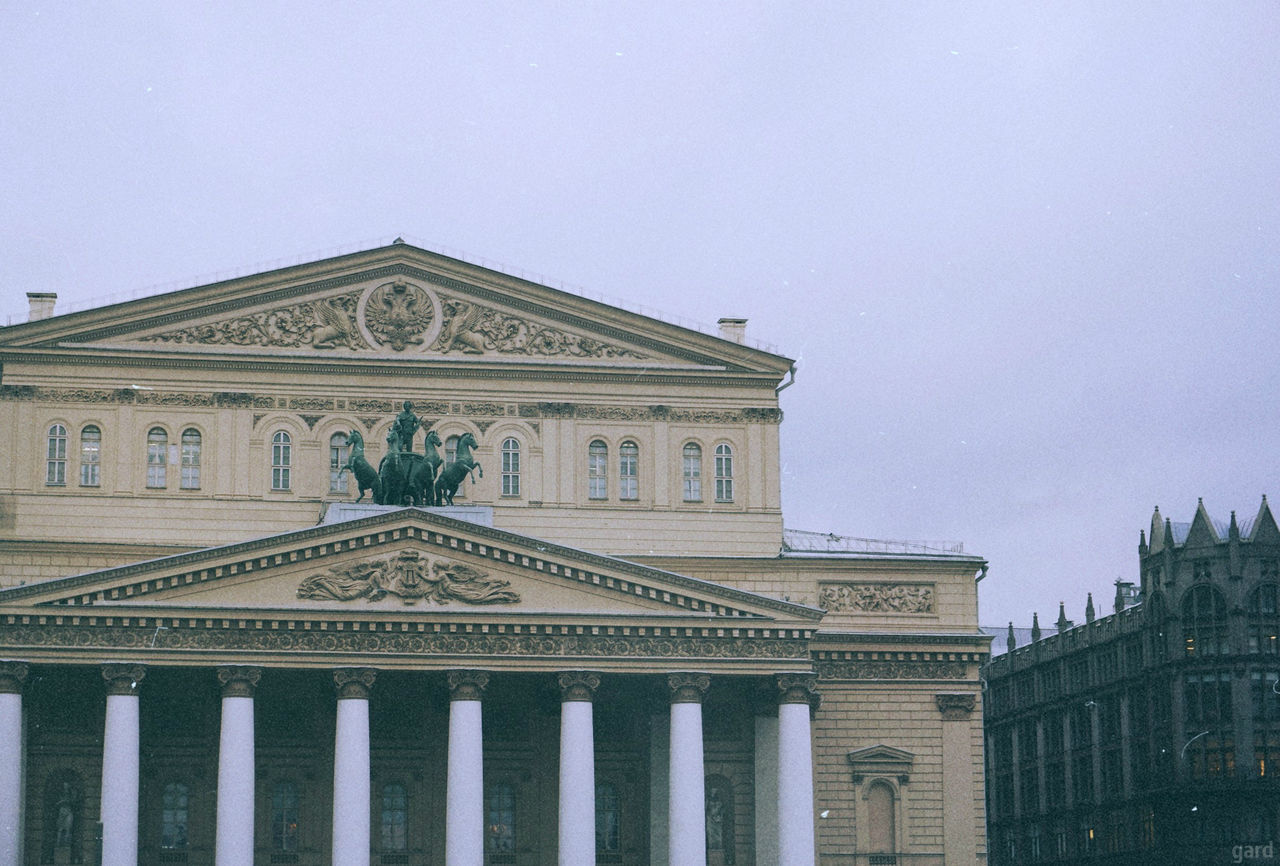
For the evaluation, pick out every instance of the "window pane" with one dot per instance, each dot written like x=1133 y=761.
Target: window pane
x=157 y=456
x=90 y=456
x=629 y=471
x=500 y=819
x=56 y=467
x=281 y=458
x=510 y=467
x=597 y=470
x=394 y=815
x=173 y=817
x=284 y=817
x=724 y=473
x=190 y=459
x=692 y=473
x=339 y=454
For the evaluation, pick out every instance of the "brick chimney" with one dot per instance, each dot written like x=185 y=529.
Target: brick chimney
x=733 y=330
x=40 y=305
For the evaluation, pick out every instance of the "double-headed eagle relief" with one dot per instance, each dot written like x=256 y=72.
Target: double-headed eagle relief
x=411 y=577
x=397 y=317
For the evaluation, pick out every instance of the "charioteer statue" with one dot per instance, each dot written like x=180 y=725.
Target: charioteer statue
x=405 y=477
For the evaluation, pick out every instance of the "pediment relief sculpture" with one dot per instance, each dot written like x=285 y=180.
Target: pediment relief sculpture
x=411 y=577
x=398 y=316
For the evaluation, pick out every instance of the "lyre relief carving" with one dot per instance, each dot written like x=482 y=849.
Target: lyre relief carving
x=410 y=576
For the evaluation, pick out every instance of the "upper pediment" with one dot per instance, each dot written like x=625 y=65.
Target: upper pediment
x=415 y=563
x=394 y=302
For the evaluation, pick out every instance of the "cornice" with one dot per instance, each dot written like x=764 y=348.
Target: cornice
x=404 y=643
x=445 y=534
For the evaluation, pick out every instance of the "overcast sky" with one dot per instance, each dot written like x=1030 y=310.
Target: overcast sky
x=1026 y=253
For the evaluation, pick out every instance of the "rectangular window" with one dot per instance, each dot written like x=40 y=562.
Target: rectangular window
x=281 y=459
x=90 y=454
x=511 y=468
x=56 y=467
x=629 y=471
x=157 y=457
x=190 y=479
x=597 y=471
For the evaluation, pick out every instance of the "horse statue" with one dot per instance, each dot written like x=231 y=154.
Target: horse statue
x=366 y=476
x=391 y=472
x=424 y=471
x=453 y=474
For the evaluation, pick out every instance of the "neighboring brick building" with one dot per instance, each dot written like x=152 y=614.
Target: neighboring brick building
x=1152 y=735
x=608 y=649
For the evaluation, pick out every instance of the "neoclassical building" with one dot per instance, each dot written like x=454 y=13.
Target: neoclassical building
x=607 y=649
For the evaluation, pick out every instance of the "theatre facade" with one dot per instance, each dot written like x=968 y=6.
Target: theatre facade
x=393 y=559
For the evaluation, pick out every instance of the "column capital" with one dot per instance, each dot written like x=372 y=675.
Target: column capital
x=467 y=685
x=13 y=675
x=578 y=685
x=123 y=679
x=955 y=706
x=238 y=681
x=688 y=688
x=354 y=683
x=797 y=689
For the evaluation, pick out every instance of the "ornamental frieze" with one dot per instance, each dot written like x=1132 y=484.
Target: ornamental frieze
x=410 y=576
x=889 y=669
x=876 y=597
x=472 y=329
x=230 y=640
x=321 y=324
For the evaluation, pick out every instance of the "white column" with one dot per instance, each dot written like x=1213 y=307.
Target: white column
x=12 y=750
x=795 y=771
x=464 y=791
x=234 y=844
x=120 y=747
x=351 y=766
x=577 y=769
x=687 y=834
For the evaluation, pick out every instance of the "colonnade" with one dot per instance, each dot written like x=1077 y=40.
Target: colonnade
x=464 y=797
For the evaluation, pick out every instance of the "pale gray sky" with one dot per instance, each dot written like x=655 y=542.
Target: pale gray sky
x=1025 y=252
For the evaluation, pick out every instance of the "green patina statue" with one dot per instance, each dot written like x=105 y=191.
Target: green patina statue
x=404 y=477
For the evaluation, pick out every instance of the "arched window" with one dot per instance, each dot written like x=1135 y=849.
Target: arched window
x=724 y=473
x=450 y=455
x=56 y=465
x=510 y=467
x=339 y=454
x=395 y=813
x=157 y=457
x=629 y=471
x=500 y=819
x=173 y=816
x=597 y=470
x=1204 y=621
x=284 y=817
x=90 y=456
x=881 y=829
x=692 y=472
x=281 y=460
x=720 y=841
x=190 y=459
x=608 y=820
x=1264 y=624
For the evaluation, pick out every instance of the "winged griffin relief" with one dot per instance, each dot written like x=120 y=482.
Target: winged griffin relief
x=411 y=577
x=399 y=317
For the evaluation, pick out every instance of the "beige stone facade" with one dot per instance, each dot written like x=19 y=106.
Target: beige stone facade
x=170 y=502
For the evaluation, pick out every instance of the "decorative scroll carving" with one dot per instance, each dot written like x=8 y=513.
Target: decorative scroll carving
x=354 y=683
x=890 y=670
x=648 y=413
x=410 y=576
x=323 y=324
x=688 y=688
x=876 y=597
x=12 y=677
x=123 y=679
x=578 y=685
x=955 y=706
x=467 y=685
x=227 y=640
x=238 y=681
x=475 y=330
x=797 y=688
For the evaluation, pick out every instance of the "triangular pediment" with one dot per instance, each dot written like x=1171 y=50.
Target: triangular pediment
x=396 y=302
x=410 y=562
